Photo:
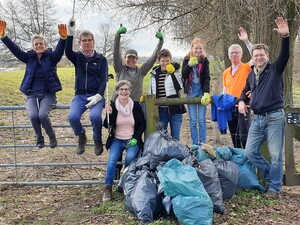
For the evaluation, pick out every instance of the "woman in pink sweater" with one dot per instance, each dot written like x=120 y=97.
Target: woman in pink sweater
x=127 y=123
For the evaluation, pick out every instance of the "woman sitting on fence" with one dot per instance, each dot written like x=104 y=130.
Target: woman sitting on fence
x=40 y=82
x=126 y=123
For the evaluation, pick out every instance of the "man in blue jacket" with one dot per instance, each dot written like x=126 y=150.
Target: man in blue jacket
x=91 y=70
x=265 y=82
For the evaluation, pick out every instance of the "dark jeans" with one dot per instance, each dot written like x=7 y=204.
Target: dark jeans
x=239 y=127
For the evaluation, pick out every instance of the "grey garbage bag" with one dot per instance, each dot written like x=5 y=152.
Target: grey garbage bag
x=208 y=174
x=228 y=175
x=144 y=201
x=162 y=147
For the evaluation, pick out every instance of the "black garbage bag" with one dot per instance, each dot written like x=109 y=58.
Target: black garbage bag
x=229 y=173
x=162 y=147
x=208 y=174
x=144 y=201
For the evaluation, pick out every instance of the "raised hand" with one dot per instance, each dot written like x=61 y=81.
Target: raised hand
x=71 y=27
x=121 y=30
x=2 y=28
x=62 y=30
x=159 y=35
x=243 y=36
x=282 y=26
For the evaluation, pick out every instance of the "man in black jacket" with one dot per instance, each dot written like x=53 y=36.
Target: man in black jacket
x=265 y=82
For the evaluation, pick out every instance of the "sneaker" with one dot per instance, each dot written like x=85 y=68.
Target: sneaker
x=53 y=141
x=98 y=147
x=271 y=194
x=107 y=193
x=40 y=142
x=81 y=144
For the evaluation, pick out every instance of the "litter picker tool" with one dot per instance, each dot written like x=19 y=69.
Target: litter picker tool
x=109 y=77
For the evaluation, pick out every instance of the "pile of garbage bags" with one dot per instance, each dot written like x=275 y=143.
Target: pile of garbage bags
x=169 y=179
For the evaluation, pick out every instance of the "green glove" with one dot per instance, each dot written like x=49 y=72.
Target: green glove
x=121 y=30
x=206 y=99
x=132 y=142
x=193 y=61
x=159 y=35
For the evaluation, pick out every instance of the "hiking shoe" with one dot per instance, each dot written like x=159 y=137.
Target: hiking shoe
x=98 y=147
x=53 y=141
x=40 y=142
x=107 y=193
x=81 y=144
x=271 y=194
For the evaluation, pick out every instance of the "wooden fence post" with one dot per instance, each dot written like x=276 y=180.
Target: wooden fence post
x=151 y=115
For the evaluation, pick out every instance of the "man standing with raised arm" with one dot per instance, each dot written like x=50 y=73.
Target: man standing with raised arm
x=266 y=85
x=234 y=80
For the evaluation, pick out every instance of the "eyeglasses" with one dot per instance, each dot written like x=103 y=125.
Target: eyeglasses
x=86 y=40
x=234 y=53
x=124 y=89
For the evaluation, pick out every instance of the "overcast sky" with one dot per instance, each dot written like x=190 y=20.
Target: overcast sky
x=144 y=41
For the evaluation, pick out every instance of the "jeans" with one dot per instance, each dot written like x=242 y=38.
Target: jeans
x=239 y=127
x=197 y=114
x=39 y=107
x=116 y=149
x=175 y=121
x=268 y=127
x=78 y=108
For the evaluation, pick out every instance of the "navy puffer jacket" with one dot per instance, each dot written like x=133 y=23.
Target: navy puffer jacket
x=48 y=62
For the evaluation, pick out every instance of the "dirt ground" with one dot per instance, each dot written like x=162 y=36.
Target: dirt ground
x=75 y=204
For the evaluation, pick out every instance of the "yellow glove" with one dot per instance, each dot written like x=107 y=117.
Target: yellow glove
x=142 y=98
x=2 y=28
x=206 y=99
x=193 y=61
x=62 y=30
x=170 y=68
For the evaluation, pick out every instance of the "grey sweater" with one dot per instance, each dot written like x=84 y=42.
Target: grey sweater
x=134 y=75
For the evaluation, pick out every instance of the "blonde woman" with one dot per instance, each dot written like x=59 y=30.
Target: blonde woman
x=40 y=82
x=195 y=74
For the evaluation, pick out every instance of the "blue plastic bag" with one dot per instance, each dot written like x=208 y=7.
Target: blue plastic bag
x=193 y=210
x=177 y=178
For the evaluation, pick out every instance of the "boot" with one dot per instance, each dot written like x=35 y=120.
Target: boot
x=107 y=193
x=40 y=142
x=81 y=144
x=98 y=147
x=53 y=141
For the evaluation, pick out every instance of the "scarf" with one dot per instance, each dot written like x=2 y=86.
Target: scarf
x=124 y=110
x=88 y=55
x=257 y=72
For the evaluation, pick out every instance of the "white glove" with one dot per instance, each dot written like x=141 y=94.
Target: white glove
x=71 y=27
x=93 y=100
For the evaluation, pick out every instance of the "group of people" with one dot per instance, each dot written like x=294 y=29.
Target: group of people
x=258 y=84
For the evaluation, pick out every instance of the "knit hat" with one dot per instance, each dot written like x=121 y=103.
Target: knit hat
x=131 y=52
